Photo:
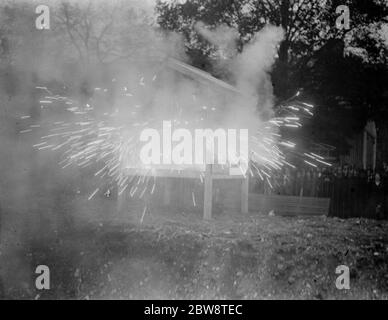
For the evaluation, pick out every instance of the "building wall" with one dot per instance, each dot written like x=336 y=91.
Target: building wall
x=363 y=150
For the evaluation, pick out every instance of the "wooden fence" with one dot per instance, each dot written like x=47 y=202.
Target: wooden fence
x=288 y=205
x=350 y=196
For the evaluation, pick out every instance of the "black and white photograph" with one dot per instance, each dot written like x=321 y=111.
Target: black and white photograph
x=212 y=152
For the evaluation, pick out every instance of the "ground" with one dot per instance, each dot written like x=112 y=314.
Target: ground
x=180 y=256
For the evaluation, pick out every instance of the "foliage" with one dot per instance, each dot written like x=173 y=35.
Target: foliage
x=342 y=71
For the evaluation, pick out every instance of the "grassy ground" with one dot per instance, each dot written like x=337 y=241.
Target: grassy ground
x=179 y=256
x=94 y=254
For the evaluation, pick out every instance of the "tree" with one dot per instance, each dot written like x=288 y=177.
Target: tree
x=348 y=92
x=332 y=65
x=308 y=25
x=105 y=33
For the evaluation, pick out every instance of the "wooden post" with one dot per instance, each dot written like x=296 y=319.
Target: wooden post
x=208 y=193
x=167 y=192
x=121 y=201
x=244 y=194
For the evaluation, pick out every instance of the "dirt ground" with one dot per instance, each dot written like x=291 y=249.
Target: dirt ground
x=94 y=253
x=179 y=256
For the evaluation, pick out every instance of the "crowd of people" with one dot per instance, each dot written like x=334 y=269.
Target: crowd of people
x=353 y=192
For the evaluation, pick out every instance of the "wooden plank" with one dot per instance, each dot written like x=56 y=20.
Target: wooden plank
x=208 y=193
x=290 y=205
x=167 y=192
x=169 y=173
x=227 y=177
x=164 y=173
x=301 y=205
x=244 y=195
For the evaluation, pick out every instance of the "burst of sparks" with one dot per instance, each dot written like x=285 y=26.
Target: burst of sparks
x=109 y=144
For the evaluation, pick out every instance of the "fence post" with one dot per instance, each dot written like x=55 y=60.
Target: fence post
x=208 y=193
x=244 y=194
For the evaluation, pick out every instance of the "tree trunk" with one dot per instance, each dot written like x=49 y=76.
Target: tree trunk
x=281 y=70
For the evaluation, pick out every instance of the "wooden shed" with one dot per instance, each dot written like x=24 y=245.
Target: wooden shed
x=189 y=190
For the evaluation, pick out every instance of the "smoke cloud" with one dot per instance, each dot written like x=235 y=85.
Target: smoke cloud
x=249 y=69
x=124 y=69
x=254 y=64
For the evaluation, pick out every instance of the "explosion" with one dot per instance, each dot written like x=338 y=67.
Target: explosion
x=107 y=138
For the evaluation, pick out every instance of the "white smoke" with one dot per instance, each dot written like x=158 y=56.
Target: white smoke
x=223 y=37
x=250 y=69
x=253 y=66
